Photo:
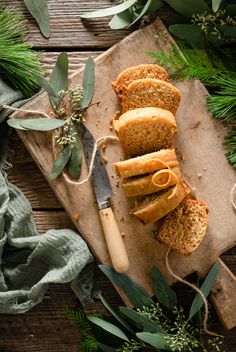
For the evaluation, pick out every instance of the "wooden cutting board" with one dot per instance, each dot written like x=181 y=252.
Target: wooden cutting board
x=199 y=142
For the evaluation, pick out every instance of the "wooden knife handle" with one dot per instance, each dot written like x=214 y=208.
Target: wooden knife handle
x=223 y=296
x=114 y=241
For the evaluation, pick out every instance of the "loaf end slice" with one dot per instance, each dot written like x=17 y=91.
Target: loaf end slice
x=184 y=228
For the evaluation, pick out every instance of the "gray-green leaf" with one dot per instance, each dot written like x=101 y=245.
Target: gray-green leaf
x=42 y=124
x=147 y=8
x=88 y=83
x=16 y=123
x=109 y=327
x=216 y=5
x=189 y=32
x=229 y=30
x=59 y=78
x=109 y=11
x=46 y=86
x=114 y=313
x=140 y=321
x=162 y=290
x=60 y=163
x=106 y=348
x=231 y=9
x=39 y=10
x=74 y=164
x=189 y=7
x=156 y=339
x=137 y=295
x=205 y=288
x=121 y=20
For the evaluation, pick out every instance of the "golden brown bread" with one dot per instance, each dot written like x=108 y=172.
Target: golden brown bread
x=150 y=92
x=145 y=130
x=153 y=207
x=146 y=163
x=151 y=183
x=136 y=72
x=184 y=228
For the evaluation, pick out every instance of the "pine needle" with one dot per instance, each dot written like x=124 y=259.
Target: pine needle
x=230 y=145
x=19 y=64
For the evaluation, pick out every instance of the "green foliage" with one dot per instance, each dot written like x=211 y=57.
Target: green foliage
x=230 y=145
x=59 y=79
x=137 y=295
x=150 y=327
x=39 y=10
x=88 y=84
x=17 y=57
x=41 y=124
x=205 y=288
x=164 y=293
x=60 y=163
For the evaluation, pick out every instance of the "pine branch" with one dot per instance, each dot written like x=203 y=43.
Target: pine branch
x=230 y=145
x=19 y=64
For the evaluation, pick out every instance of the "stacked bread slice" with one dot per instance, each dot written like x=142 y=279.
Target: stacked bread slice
x=151 y=170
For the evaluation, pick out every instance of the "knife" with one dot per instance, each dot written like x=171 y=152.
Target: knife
x=103 y=191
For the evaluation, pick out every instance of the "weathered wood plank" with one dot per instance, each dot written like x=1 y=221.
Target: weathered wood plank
x=67 y=28
x=46 y=220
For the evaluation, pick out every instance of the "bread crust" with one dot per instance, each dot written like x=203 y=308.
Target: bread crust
x=136 y=72
x=155 y=207
x=146 y=163
x=185 y=227
x=150 y=92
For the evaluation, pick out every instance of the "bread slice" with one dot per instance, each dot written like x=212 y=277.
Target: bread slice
x=184 y=228
x=146 y=163
x=136 y=72
x=150 y=92
x=159 y=204
x=142 y=185
x=145 y=130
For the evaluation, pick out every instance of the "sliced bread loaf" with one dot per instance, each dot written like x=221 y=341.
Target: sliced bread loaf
x=136 y=72
x=184 y=228
x=146 y=163
x=145 y=130
x=153 y=207
x=150 y=92
x=142 y=185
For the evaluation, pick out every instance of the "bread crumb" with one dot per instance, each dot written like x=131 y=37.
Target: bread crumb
x=105 y=159
x=103 y=147
x=77 y=216
x=122 y=234
x=199 y=175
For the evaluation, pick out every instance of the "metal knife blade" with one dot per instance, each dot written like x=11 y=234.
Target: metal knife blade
x=100 y=180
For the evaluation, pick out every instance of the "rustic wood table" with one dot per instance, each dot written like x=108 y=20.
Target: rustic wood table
x=45 y=328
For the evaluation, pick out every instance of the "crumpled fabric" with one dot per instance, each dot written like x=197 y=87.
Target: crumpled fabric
x=29 y=262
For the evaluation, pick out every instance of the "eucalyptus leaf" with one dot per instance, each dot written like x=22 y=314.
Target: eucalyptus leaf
x=216 y=4
x=59 y=78
x=60 y=163
x=229 y=30
x=147 y=9
x=109 y=11
x=121 y=20
x=75 y=161
x=16 y=123
x=205 y=288
x=46 y=86
x=137 y=295
x=154 y=6
x=188 y=32
x=88 y=83
x=177 y=18
x=156 y=339
x=107 y=326
x=140 y=321
x=42 y=124
x=39 y=10
x=231 y=9
x=189 y=7
x=115 y=314
x=106 y=348
x=164 y=293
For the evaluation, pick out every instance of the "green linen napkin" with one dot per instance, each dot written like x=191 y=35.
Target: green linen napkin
x=29 y=261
